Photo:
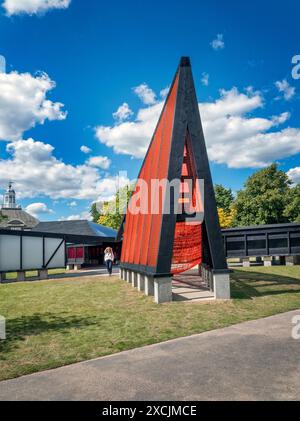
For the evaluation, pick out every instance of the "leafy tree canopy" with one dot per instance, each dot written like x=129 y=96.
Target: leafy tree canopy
x=113 y=211
x=264 y=198
x=2 y=217
x=224 y=197
x=226 y=217
x=292 y=209
x=94 y=212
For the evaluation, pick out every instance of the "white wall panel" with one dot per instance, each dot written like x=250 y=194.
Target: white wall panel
x=32 y=252
x=58 y=260
x=9 y=253
x=32 y=257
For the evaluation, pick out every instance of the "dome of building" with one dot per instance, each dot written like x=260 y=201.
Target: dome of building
x=12 y=216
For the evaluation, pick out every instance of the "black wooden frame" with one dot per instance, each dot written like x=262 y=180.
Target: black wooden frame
x=262 y=232
x=187 y=118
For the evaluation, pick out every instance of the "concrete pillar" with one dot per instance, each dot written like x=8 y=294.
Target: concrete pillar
x=77 y=267
x=43 y=274
x=134 y=279
x=149 y=285
x=140 y=282
x=292 y=260
x=162 y=290
x=127 y=276
x=269 y=260
x=21 y=276
x=70 y=267
x=2 y=328
x=221 y=286
x=246 y=262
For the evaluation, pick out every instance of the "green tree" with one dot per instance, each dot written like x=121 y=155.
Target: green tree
x=224 y=198
x=113 y=211
x=264 y=198
x=2 y=217
x=226 y=217
x=94 y=212
x=292 y=209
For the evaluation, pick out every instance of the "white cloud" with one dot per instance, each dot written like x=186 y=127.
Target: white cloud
x=2 y=64
x=36 y=209
x=131 y=138
x=99 y=161
x=85 y=149
x=280 y=119
x=294 y=174
x=80 y=216
x=233 y=136
x=123 y=113
x=284 y=87
x=31 y=7
x=70 y=218
x=72 y=204
x=242 y=141
x=205 y=79
x=164 y=92
x=146 y=94
x=23 y=103
x=37 y=172
x=218 y=43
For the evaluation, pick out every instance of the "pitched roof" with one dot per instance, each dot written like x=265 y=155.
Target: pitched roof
x=160 y=242
x=76 y=228
x=17 y=217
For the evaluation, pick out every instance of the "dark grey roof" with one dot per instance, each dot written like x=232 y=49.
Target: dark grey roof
x=76 y=228
x=17 y=217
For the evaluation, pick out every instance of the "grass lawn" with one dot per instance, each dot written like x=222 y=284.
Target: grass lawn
x=58 y=322
x=31 y=274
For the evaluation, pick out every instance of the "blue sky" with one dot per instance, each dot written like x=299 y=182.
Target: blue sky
x=96 y=53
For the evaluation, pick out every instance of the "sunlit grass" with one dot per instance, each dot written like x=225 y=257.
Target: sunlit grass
x=33 y=273
x=57 y=322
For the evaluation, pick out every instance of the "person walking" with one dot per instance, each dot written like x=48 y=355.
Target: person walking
x=109 y=258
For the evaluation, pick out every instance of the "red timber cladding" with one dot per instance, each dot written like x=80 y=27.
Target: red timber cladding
x=71 y=253
x=79 y=252
x=142 y=231
x=187 y=247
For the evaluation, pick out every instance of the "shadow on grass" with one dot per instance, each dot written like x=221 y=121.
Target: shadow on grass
x=251 y=284
x=20 y=328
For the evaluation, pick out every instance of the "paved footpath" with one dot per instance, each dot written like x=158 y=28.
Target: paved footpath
x=256 y=360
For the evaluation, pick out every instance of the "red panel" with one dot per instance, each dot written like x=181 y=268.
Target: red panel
x=162 y=173
x=151 y=168
x=142 y=231
x=71 y=253
x=79 y=252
